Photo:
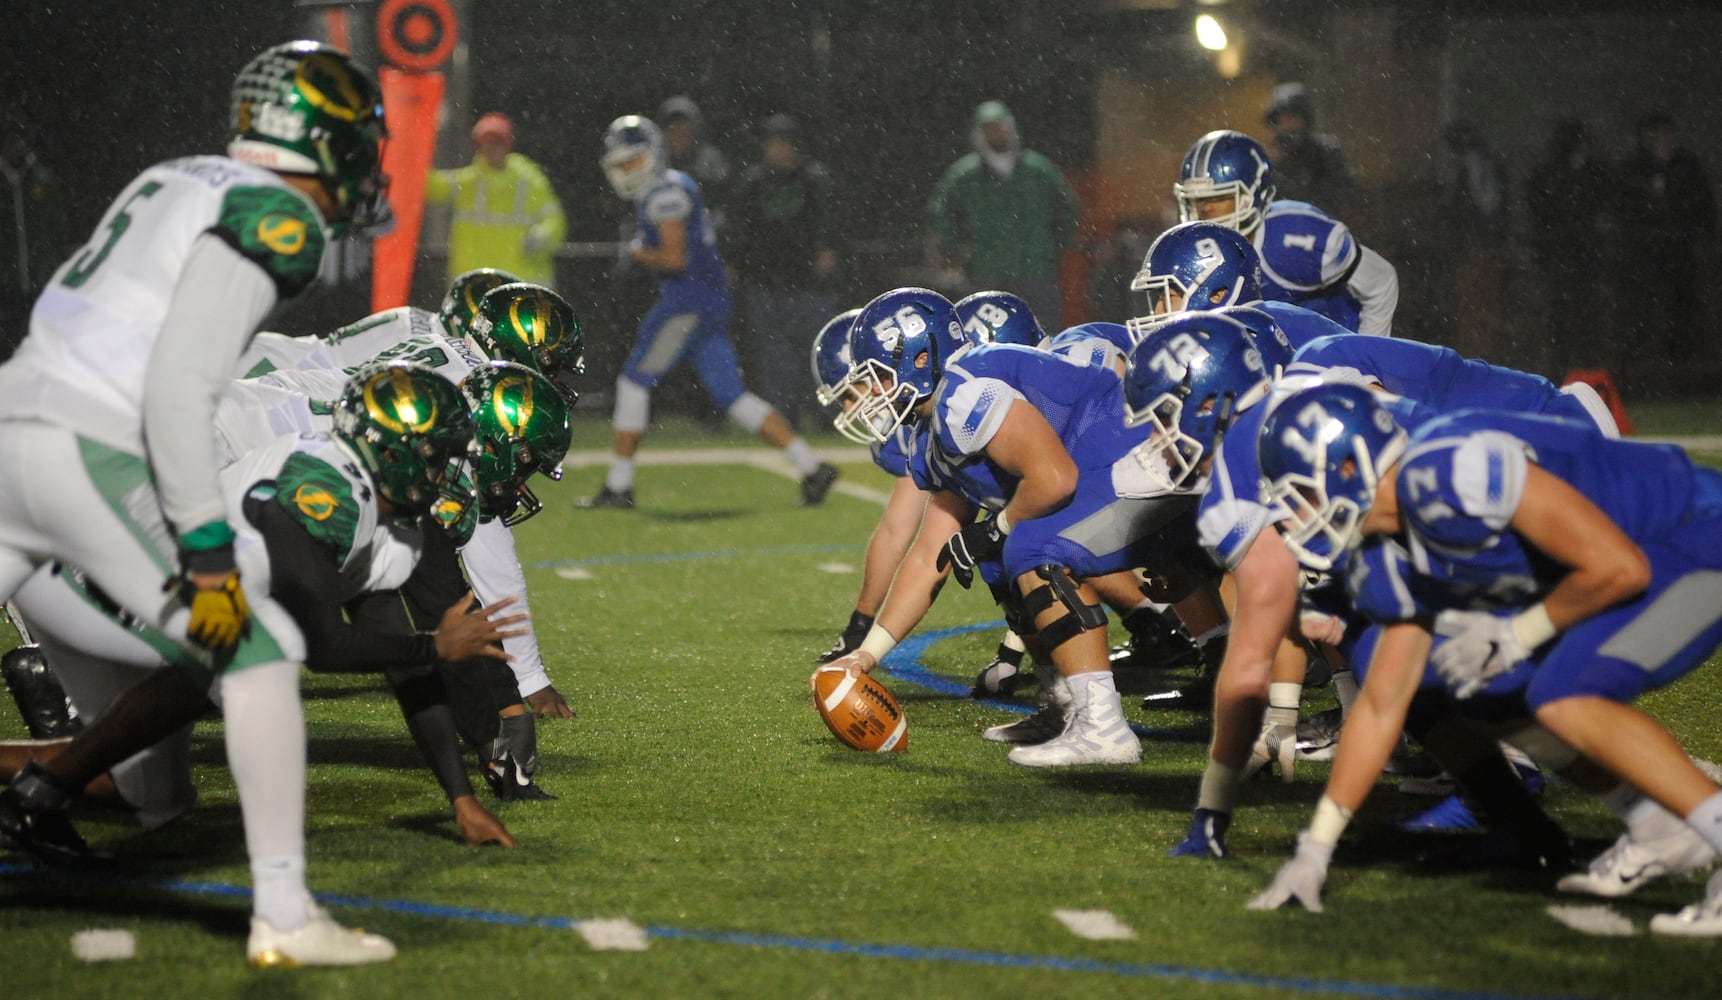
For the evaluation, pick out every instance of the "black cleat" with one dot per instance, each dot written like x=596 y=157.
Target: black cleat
x=45 y=833
x=511 y=784
x=817 y=483
x=1157 y=640
x=607 y=497
x=1196 y=696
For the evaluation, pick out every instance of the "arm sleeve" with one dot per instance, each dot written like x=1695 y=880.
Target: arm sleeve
x=439 y=186
x=304 y=581
x=494 y=572
x=1376 y=285
x=220 y=300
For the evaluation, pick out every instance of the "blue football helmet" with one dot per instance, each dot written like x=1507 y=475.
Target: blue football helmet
x=1205 y=263
x=1226 y=164
x=1188 y=379
x=633 y=155
x=999 y=318
x=1322 y=451
x=831 y=355
x=898 y=349
x=1276 y=349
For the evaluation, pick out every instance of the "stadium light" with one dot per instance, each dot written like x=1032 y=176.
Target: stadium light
x=1209 y=33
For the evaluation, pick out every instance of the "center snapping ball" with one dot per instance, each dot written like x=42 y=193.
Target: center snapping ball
x=859 y=711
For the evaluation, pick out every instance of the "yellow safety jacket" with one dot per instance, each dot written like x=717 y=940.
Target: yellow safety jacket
x=508 y=219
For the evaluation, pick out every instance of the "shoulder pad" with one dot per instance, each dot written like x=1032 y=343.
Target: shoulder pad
x=278 y=230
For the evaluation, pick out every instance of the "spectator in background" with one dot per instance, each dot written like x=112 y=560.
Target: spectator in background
x=1308 y=165
x=1667 y=216
x=505 y=214
x=1002 y=214
x=783 y=245
x=30 y=234
x=685 y=143
x=1568 y=195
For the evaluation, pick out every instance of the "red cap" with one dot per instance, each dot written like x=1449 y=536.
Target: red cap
x=494 y=126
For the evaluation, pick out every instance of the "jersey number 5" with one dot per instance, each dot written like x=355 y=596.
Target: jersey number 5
x=91 y=259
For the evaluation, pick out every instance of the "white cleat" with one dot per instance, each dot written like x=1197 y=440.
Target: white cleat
x=1037 y=728
x=322 y=941
x=1096 y=734
x=1629 y=864
x=1703 y=919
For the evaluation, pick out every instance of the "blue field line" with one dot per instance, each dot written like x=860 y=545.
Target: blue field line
x=663 y=557
x=804 y=944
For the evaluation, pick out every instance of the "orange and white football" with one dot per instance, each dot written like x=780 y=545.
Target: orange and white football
x=859 y=711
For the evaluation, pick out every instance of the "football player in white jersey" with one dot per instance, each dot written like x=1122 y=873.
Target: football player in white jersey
x=496 y=701
x=107 y=440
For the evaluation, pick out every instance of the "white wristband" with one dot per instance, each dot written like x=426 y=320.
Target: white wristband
x=1328 y=822
x=878 y=643
x=1002 y=523
x=1533 y=627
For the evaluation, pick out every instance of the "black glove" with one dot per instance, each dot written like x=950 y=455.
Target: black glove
x=976 y=543
x=850 y=640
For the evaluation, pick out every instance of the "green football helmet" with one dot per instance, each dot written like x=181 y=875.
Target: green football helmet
x=406 y=423
x=306 y=108
x=522 y=427
x=533 y=326
x=467 y=290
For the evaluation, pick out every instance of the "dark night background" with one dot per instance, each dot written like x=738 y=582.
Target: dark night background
x=886 y=88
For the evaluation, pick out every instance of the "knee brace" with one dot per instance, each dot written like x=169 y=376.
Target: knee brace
x=1060 y=587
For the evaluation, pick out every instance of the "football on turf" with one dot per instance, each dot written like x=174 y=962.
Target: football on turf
x=859 y=711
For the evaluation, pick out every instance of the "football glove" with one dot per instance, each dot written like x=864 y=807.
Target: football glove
x=219 y=614
x=1479 y=647
x=976 y=543
x=1277 y=742
x=1207 y=836
x=1301 y=878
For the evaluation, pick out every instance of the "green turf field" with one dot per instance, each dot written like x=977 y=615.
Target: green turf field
x=702 y=800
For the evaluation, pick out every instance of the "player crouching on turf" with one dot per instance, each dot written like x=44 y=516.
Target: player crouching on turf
x=496 y=703
x=1037 y=441
x=1548 y=573
x=319 y=498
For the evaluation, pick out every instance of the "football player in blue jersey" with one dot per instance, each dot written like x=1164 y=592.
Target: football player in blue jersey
x=1197 y=382
x=1308 y=258
x=690 y=320
x=1038 y=442
x=1565 y=573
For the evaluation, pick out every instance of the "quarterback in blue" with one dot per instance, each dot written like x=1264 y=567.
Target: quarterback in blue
x=1585 y=569
x=690 y=320
x=1308 y=258
x=1039 y=442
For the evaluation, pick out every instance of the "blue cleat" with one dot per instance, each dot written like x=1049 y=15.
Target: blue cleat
x=1207 y=836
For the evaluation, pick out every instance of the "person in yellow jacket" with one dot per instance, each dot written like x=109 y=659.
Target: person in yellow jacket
x=505 y=213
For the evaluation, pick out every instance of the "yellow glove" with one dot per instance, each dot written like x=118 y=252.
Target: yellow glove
x=219 y=614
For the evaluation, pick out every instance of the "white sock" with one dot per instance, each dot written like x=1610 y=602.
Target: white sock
x=1345 y=689
x=1084 y=688
x=801 y=454
x=1707 y=820
x=265 y=734
x=621 y=475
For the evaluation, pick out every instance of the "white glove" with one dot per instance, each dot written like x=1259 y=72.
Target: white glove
x=1301 y=878
x=1277 y=741
x=1479 y=646
x=535 y=242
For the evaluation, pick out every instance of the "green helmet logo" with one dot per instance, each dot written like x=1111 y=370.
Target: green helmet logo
x=522 y=427
x=467 y=290
x=305 y=108
x=406 y=423
x=533 y=326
